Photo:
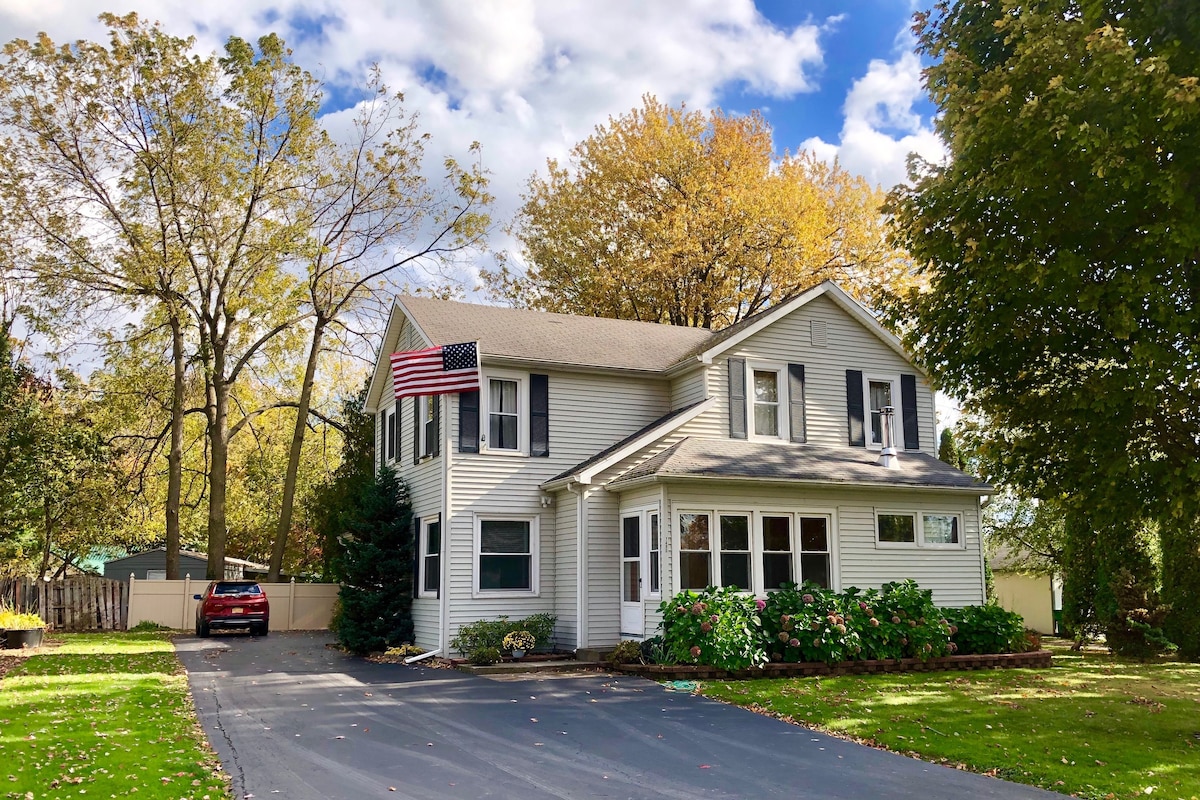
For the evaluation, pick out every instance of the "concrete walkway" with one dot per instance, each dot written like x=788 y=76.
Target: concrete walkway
x=291 y=718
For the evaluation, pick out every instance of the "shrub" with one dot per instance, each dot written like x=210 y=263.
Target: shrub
x=718 y=627
x=405 y=650
x=807 y=623
x=626 y=652
x=653 y=651
x=519 y=640
x=919 y=625
x=145 y=626
x=491 y=632
x=980 y=630
x=17 y=621
x=484 y=656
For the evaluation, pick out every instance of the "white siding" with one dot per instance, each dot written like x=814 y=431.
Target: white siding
x=689 y=388
x=587 y=414
x=850 y=346
x=954 y=575
x=566 y=568
x=603 y=570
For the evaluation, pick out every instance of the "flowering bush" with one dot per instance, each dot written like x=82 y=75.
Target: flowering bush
x=808 y=623
x=519 y=640
x=986 y=629
x=717 y=627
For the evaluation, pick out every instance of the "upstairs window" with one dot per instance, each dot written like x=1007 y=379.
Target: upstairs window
x=879 y=397
x=504 y=414
x=766 y=403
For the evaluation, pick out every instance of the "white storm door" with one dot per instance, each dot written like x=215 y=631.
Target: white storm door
x=633 y=621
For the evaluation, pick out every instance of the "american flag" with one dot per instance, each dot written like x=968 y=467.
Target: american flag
x=437 y=370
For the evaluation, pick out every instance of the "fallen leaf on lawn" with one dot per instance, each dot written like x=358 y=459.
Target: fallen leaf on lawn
x=705 y=766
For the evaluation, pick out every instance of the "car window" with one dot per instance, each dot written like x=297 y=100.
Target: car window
x=237 y=588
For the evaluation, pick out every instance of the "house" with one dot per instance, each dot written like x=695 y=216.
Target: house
x=152 y=565
x=605 y=465
x=1036 y=597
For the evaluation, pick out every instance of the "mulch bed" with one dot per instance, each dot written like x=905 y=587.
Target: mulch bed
x=1037 y=659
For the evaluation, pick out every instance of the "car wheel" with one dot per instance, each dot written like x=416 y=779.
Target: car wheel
x=263 y=629
x=202 y=630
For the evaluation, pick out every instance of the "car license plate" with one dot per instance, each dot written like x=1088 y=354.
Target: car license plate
x=237 y=610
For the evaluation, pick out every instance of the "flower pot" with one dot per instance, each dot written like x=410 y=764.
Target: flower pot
x=17 y=640
x=518 y=653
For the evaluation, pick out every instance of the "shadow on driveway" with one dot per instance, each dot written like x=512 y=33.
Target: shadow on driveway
x=290 y=717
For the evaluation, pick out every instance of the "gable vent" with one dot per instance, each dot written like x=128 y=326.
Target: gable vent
x=817 y=330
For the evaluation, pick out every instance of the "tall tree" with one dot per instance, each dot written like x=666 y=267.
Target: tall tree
x=677 y=216
x=1061 y=242
x=372 y=212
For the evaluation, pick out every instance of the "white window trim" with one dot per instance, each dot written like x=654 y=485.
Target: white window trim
x=534 y=555
x=426 y=446
x=389 y=439
x=718 y=550
x=756 y=514
x=798 y=550
x=897 y=418
x=485 y=412
x=782 y=406
x=650 y=594
x=424 y=552
x=959 y=545
x=677 y=576
x=919 y=530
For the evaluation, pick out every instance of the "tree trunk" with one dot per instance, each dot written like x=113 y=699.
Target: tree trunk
x=49 y=526
x=218 y=442
x=293 y=468
x=175 y=454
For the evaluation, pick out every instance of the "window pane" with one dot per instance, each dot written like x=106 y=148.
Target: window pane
x=777 y=569
x=881 y=394
x=815 y=567
x=503 y=396
x=654 y=575
x=504 y=572
x=940 y=528
x=896 y=528
x=777 y=533
x=503 y=536
x=654 y=532
x=433 y=538
x=735 y=533
x=735 y=570
x=632 y=546
x=814 y=535
x=766 y=387
x=693 y=532
x=432 y=572
x=693 y=570
x=633 y=582
x=766 y=420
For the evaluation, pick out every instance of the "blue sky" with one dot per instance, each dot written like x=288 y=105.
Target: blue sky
x=529 y=78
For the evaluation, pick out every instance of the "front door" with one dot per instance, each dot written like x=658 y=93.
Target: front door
x=633 y=621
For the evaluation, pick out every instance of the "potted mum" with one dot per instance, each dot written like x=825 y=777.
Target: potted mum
x=23 y=630
x=518 y=642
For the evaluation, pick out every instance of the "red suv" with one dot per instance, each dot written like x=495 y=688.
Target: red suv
x=232 y=604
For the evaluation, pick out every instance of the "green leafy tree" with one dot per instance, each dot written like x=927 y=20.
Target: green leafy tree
x=375 y=564
x=1061 y=244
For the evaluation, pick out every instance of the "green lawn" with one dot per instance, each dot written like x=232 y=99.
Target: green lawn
x=103 y=715
x=1092 y=726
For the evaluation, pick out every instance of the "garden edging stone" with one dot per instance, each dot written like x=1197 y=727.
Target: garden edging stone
x=1038 y=659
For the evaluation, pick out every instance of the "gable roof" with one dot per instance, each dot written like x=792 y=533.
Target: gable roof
x=542 y=336
x=735 y=459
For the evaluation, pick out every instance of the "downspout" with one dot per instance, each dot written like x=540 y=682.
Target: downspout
x=580 y=564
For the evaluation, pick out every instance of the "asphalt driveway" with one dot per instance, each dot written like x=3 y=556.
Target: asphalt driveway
x=291 y=718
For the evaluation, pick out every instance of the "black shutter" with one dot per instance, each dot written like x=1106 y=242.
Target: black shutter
x=416 y=430
x=737 y=398
x=416 y=556
x=468 y=422
x=435 y=447
x=391 y=434
x=908 y=410
x=796 y=421
x=539 y=415
x=854 y=407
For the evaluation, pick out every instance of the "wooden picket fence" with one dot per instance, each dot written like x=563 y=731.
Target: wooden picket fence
x=77 y=603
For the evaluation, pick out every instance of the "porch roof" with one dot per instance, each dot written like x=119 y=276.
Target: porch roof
x=732 y=459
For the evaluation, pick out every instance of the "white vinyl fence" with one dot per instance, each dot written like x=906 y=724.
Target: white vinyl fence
x=294 y=606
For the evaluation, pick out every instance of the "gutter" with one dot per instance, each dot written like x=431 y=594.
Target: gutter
x=622 y=485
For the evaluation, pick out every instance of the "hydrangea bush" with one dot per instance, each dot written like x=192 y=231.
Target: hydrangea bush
x=731 y=630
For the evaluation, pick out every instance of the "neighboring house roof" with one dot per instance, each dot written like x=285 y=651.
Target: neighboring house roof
x=732 y=459
x=541 y=336
x=633 y=442
x=192 y=554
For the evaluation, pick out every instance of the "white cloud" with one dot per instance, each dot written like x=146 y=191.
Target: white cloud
x=880 y=127
x=527 y=79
